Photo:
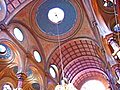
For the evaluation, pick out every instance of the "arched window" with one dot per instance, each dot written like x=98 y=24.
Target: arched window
x=53 y=70
x=93 y=85
x=7 y=87
x=108 y=3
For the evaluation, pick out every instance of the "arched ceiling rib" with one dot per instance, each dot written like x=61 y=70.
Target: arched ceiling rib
x=13 y=7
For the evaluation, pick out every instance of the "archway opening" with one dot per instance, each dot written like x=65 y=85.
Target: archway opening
x=93 y=85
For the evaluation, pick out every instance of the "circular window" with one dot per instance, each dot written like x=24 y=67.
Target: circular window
x=108 y=3
x=18 y=34
x=36 y=86
x=7 y=87
x=93 y=85
x=2 y=48
x=53 y=71
x=5 y=51
x=37 y=56
x=56 y=15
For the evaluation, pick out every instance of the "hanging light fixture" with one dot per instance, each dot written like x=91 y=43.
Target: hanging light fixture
x=56 y=15
x=65 y=86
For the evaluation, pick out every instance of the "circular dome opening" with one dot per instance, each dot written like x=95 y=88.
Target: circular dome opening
x=2 y=49
x=56 y=15
x=93 y=85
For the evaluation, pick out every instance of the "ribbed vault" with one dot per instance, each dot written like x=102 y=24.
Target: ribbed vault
x=79 y=55
x=80 y=64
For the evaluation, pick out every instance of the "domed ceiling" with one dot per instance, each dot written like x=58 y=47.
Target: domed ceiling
x=50 y=27
x=55 y=18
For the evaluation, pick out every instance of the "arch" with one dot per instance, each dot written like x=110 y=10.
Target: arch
x=7 y=80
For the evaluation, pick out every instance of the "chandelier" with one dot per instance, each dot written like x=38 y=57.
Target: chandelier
x=56 y=15
x=65 y=86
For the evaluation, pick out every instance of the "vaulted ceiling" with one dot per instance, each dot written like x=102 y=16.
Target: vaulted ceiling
x=36 y=46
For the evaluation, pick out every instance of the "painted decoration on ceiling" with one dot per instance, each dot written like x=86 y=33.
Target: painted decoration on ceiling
x=56 y=17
